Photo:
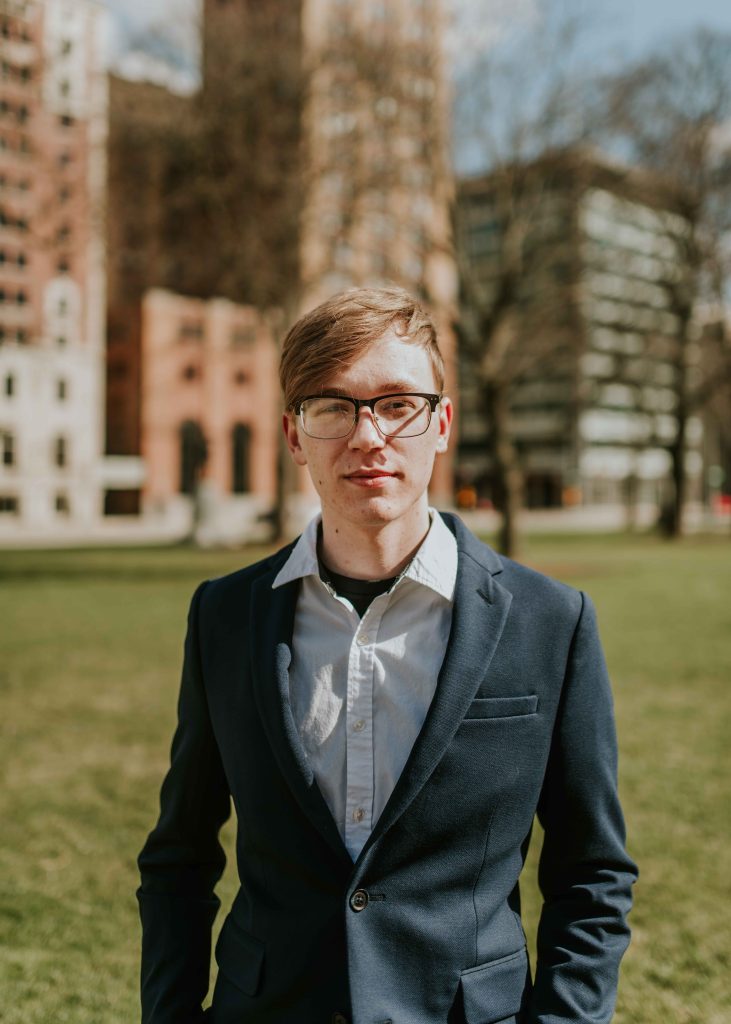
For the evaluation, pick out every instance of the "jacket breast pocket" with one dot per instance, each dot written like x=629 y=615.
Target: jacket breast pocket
x=496 y=992
x=502 y=707
x=240 y=957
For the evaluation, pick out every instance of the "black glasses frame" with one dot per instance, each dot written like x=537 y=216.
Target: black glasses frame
x=369 y=403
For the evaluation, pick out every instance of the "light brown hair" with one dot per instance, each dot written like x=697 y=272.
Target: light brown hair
x=335 y=333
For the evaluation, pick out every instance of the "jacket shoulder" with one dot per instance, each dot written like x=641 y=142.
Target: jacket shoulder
x=235 y=586
x=524 y=582
x=532 y=588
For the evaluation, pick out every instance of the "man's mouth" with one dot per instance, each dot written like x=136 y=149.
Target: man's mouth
x=370 y=477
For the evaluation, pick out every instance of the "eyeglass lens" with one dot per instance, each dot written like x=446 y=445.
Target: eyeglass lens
x=401 y=415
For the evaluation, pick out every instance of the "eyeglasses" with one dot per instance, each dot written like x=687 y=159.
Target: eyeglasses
x=331 y=416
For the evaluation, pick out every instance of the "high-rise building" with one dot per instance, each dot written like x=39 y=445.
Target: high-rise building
x=314 y=157
x=52 y=177
x=593 y=415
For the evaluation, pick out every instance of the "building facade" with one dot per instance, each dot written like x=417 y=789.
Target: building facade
x=313 y=157
x=209 y=417
x=592 y=416
x=52 y=159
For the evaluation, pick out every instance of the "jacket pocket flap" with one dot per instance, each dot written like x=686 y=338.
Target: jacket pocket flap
x=502 y=707
x=240 y=956
x=494 y=991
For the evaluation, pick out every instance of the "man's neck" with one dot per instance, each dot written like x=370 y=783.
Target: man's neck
x=372 y=552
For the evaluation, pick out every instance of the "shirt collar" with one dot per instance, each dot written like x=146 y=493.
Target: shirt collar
x=434 y=565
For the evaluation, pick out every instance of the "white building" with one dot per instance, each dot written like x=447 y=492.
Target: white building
x=52 y=285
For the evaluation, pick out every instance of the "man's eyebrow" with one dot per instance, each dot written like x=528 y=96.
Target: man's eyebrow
x=389 y=388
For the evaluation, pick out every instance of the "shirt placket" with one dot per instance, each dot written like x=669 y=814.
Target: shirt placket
x=359 y=728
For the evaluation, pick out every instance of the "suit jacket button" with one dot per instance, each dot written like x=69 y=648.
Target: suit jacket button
x=339 y=1018
x=359 y=900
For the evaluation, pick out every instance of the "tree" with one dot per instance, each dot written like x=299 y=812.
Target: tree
x=671 y=112
x=302 y=165
x=520 y=108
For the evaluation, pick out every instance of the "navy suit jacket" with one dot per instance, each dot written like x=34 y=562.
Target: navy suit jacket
x=424 y=927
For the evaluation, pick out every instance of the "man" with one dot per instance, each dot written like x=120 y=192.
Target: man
x=388 y=703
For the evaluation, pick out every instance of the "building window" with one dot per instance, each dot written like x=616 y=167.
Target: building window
x=7 y=448
x=21 y=298
x=61 y=390
x=190 y=373
x=193 y=456
x=62 y=503
x=60 y=452
x=191 y=329
x=241 y=377
x=241 y=456
x=61 y=341
x=243 y=337
x=10 y=385
x=9 y=504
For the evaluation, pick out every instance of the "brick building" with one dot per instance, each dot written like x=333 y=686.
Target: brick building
x=313 y=157
x=52 y=156
x=209 y=414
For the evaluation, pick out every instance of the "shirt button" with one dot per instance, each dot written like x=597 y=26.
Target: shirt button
x=359 y=900
x=358 y=814
x=362 y=640
x=359 y=726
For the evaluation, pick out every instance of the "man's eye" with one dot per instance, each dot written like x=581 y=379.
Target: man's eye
x=398 y=405
x=334 y=408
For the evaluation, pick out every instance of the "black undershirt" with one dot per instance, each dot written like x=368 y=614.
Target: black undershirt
x=360 y=593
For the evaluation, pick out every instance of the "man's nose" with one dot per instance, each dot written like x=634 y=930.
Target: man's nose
x=365 y=434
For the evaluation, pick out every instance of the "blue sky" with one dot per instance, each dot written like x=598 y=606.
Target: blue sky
x=633 y=26
x=626 y=27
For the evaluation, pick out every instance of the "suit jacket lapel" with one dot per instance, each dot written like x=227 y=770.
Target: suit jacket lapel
x=480 y=609
x=272 y=622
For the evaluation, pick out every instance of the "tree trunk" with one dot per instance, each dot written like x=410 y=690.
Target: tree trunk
x=677 y=455
x=506 y=467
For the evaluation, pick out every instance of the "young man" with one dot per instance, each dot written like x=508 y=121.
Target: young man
x=388 y=703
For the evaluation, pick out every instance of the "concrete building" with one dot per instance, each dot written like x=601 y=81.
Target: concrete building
x=209 y=417
x=593 y=419
x=52 y=158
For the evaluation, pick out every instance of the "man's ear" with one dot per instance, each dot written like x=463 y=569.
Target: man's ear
x=291 y=436
x=445 y=411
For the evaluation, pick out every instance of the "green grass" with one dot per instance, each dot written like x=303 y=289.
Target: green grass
x=89 y=654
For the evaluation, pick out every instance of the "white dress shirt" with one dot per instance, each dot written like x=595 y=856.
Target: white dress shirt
x=360 y=688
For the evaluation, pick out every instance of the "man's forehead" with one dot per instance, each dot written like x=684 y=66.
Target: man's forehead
x=388 y=365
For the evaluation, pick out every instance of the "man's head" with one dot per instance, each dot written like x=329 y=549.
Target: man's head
x=375 y=466
x=340 y=330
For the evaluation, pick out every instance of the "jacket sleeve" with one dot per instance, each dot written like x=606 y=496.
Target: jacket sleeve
x=182 y=859
x=585 y=874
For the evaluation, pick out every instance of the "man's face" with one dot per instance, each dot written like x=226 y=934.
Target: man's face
x=367 y=479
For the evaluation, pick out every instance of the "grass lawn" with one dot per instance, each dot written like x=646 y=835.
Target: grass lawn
x=89 y=655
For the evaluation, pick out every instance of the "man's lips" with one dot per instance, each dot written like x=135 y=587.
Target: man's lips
x=370 y=477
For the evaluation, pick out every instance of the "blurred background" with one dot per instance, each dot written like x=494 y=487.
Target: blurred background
x=179 y=180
